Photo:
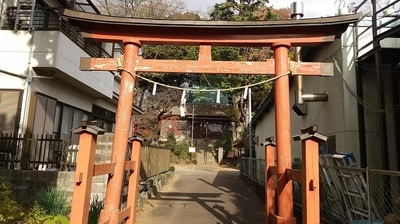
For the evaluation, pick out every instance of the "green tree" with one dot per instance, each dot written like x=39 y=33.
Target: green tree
x=243 y=10
x=184 y=16
x=151 y=9
x=155 y=107
x=171 y=142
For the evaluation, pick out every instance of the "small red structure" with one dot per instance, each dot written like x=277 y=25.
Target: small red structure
x=280 y=35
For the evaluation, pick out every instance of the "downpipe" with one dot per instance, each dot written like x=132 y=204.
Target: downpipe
x=301 y=98
x=314 y=97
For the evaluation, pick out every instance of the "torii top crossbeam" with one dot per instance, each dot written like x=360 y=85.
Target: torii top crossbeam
x=279 y=35
x=305 y=32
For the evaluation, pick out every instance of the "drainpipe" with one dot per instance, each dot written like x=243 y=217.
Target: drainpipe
x=27 y=89
x=250 y=140
x=301 y=99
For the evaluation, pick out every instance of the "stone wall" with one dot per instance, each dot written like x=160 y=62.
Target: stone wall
x=27 y=182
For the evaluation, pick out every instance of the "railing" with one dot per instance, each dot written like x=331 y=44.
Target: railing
x=377 y=22
x=382 y=193
x=38 y=152
x=45 y=19
x=257 y=169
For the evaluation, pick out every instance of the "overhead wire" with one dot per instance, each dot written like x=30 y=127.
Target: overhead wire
x=367 y=105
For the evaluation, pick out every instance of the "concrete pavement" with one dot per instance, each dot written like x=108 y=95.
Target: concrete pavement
x=203 y=195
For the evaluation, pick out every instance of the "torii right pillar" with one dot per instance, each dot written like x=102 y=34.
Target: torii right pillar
x=284 y=202
x=284 y=172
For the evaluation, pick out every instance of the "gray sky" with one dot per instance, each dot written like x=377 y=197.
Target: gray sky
x=312 y=8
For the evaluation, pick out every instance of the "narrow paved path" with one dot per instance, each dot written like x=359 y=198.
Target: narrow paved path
x=205 y=197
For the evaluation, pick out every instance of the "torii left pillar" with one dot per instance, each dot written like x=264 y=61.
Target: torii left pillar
x=122 y=129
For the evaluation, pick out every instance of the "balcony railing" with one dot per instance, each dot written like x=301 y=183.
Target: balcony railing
x=380 y=19
x=47 y=19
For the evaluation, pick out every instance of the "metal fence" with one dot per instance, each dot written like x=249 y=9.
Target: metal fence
x=348 y=194
x=37 y=152
x=49 y=152
x=257 y=168
x=355 y=195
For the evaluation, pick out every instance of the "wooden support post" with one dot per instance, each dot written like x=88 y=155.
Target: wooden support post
x=310 y=182
x=283 y=136
x=84 y=173
x=310 y=177
x=134 y=178
x=122 y=129
x=270 y=178
x=205 y=53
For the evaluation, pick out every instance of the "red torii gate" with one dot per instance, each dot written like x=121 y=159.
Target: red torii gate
x=280 y=35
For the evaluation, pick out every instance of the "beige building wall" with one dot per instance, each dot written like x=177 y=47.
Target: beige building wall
x=336 y=118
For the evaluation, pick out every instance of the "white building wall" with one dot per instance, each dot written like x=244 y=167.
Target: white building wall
x=64 y=93
x=48 y=49
x=14 y=55
x=22 y=52
x=54 y=49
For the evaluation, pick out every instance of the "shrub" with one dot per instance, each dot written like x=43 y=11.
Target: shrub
x=36 y=215
x=10 y=211
x=94 y=211
x=171 y=142
x=54 y=201
x=172 y=168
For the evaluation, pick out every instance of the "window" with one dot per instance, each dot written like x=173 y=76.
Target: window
x=9 y=110
x=43 y=120
x=67 y=118
x=105 y=118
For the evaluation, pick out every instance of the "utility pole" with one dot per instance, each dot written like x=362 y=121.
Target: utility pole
x=191 y=142
x=250 y=139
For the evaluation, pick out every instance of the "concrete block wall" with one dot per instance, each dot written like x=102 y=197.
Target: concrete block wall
x=27 y=182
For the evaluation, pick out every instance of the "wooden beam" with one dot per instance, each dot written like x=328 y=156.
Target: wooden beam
x=103 y=168
x=130 y=165
x=271 y=171
x=295 y=175
x=207 y=66
x=124 y=214
x=99 y=64
x=313 y=69
x=270 y=181
x=216 y=40
x=205 y=53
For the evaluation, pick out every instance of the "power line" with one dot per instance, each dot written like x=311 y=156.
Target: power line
x=368 y=105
